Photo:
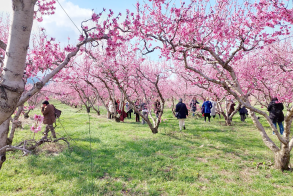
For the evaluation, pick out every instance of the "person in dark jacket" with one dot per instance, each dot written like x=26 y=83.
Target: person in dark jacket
x=276 y=114
x=137 y=107
x=193 y=105
x=243 y=112
x=48 y=112
x=157 y=108
x=181 y=113
x=207 y=105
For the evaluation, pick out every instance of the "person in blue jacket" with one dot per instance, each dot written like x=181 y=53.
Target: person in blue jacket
x=181 y=112
x=207 y=105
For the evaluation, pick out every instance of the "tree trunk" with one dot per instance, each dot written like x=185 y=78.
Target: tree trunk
x=282 y=158
x=12 y=84
x=4 y=129
x=154 y=130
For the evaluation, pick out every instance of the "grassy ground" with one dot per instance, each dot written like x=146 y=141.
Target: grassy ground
x=127 y=159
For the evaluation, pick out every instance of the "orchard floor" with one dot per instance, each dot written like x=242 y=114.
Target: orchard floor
x=127 y=159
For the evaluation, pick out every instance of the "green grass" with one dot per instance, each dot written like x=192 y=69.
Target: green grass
x=127 y=159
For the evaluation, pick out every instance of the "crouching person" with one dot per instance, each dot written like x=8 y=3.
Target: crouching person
x=48 y=112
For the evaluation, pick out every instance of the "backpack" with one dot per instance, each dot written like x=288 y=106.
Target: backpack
x=57 y=112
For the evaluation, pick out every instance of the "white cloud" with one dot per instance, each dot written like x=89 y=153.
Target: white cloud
x=58 y=25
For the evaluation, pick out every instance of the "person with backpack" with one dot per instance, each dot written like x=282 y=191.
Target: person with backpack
x=48 y=112
x=276 y=114
x=181 y=112
x=243 y=112
x=207 y=106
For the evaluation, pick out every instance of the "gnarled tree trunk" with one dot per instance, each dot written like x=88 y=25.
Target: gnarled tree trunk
x=12 y=84
x=282 y=158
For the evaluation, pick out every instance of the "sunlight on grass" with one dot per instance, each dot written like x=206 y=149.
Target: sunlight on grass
x=204 y=159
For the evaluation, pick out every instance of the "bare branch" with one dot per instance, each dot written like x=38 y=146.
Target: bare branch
x=3 y=45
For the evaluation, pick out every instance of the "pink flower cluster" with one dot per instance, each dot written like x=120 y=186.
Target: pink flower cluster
x=38 y=118
x=35 y=128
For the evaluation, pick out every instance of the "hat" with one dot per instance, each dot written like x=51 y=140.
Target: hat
x=46 y=102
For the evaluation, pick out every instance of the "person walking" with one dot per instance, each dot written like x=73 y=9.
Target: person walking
x=48 y=112
x=207 y=109
x=157 y=108
x=276 y=114
x=111 y=110
x=243 y=112
x=128 y=110
x=193 y=105
x=181 y=112
x=137 y=107
x=213 y=109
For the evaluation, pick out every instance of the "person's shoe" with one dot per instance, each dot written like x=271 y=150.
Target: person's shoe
x=184 y=127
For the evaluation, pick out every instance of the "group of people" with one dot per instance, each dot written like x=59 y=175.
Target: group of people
x=124 y=109
x=275 y=109
x=208 y=110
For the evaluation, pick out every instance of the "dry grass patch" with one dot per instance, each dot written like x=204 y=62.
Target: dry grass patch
x=53 y=148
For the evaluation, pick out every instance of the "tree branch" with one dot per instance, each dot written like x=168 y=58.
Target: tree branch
x=3 y=45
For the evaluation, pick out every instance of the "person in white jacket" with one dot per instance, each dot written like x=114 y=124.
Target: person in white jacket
x=213 y=109
x=111 y=110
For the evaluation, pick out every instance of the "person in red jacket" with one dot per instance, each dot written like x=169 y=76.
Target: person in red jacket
x=48 y=112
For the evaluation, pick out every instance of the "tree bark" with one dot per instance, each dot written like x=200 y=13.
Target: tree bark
x=12 y=84
x=4 y=129
x=282 y=158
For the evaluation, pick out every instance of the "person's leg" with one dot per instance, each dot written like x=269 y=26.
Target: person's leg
x=275 y=124
x=180 y=124
x=183 y=124
x=209 y=116
x=205 y=117
x=130 y=115
x=51 y=127
x=142 y=120
x=281 y=127
x=46 y=131
x=137 y=117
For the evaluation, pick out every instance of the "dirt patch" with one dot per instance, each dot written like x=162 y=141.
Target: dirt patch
x=246 y=174
x=202 y=160
x=51 y=148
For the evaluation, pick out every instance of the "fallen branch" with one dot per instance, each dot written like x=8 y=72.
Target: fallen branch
x=31 y=145
x=10 y=148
